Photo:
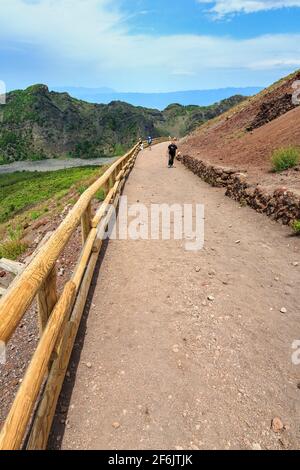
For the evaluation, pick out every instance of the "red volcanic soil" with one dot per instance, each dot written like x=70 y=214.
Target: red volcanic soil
x=246 y=136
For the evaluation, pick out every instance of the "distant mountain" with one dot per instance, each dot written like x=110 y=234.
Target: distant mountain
x=158 y=100
x=36 y=123
x=181 y=120
x=82 y=93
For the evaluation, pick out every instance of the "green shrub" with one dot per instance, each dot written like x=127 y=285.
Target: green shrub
x=119 y=150
x=296 y=226
x=12 y=247
x=35 y=215
x=100 y=195
x=81 y=189
x=285 y=158
x=35 y=157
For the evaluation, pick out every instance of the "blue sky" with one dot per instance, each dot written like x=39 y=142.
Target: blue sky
x=148 y=45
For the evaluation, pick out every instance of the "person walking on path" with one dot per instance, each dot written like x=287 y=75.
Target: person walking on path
x=172 y=153
x=149 y=141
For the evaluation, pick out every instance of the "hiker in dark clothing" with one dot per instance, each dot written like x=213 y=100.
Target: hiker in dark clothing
x=172 y=153
x=150 y=140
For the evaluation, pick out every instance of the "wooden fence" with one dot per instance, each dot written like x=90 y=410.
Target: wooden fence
x=29 y=421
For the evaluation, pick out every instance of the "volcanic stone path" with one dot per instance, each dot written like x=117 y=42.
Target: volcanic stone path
x=159 y=366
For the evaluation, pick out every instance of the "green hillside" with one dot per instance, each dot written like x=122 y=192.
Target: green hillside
x=181 y=120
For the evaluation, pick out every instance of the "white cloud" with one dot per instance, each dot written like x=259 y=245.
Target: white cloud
x=222 y=8
x=93 y=34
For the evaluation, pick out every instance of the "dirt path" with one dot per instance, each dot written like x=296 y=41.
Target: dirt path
x=161 y=366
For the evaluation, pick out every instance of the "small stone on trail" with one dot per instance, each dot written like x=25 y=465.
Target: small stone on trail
x=175 y=348
x=116 y=425
x=211 y=298
x=89 y=365
x=276 y=278
x=256 y=446
x=197 y=269
x=283 y=310
x=237 y=242
x=284 y=443
x=277 y=425
x=295 y=264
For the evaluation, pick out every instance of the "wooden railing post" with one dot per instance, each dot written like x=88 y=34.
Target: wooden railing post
x=106 y=188
x=86 y=223
x=111 y=181
x=46 y=299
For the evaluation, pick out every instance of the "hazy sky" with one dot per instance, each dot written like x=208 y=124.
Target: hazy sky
x=148 y=45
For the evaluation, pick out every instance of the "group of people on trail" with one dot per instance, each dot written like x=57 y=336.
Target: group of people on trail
x=172 y=149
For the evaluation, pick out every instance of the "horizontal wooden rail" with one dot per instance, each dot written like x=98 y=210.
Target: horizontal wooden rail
x=59 y=318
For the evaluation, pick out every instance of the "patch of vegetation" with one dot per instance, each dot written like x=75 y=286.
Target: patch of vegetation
x=119 y=150
x=36 y=214
x=12 y=247
x=243 y=202
x=100 y=195
x=20 y=191
x=285 y=158
x=82 y=188
x=296 y=226
x=87 y=150
x=61 y=194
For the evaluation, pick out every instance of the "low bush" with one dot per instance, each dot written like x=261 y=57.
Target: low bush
x=12 y=247
x=296 y=226
x=285 y=158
